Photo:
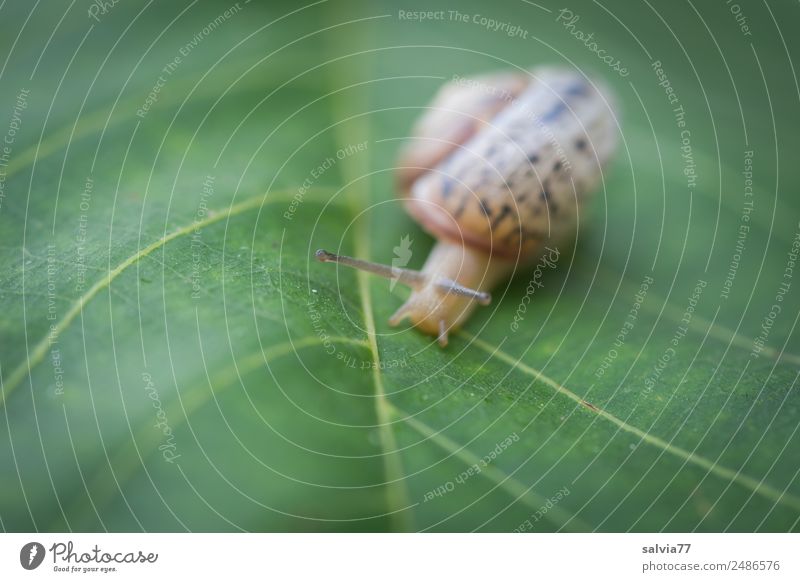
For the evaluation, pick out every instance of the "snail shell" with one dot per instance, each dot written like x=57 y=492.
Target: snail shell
x=498 y=167
x=505 y=161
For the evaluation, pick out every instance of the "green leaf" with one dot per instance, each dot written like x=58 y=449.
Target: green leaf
x=173 y=358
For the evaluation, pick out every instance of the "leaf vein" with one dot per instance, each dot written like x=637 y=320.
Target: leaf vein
x=723 y=472
x=40 y=350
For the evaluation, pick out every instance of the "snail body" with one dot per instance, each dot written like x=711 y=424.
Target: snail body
x=498 y=167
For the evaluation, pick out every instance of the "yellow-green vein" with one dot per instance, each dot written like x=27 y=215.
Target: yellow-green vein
x=354 y=168
x=40 y=349
x=746 y=481
x=518 y=490
x=129 y=456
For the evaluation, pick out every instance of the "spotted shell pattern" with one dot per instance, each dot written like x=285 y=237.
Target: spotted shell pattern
x=503 y=163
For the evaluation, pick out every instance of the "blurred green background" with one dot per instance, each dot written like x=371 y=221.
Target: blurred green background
x=171 y=359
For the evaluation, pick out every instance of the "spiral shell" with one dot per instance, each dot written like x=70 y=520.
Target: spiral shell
x=503 y=163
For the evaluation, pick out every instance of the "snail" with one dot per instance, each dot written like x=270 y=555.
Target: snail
x=498 y=166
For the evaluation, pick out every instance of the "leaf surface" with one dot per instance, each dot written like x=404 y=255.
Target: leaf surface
x=174 y=359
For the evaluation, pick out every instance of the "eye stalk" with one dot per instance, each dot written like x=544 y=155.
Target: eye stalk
x=438 y=302
x=409 y=277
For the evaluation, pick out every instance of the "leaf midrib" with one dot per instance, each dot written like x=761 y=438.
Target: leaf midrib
x=353 y=169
